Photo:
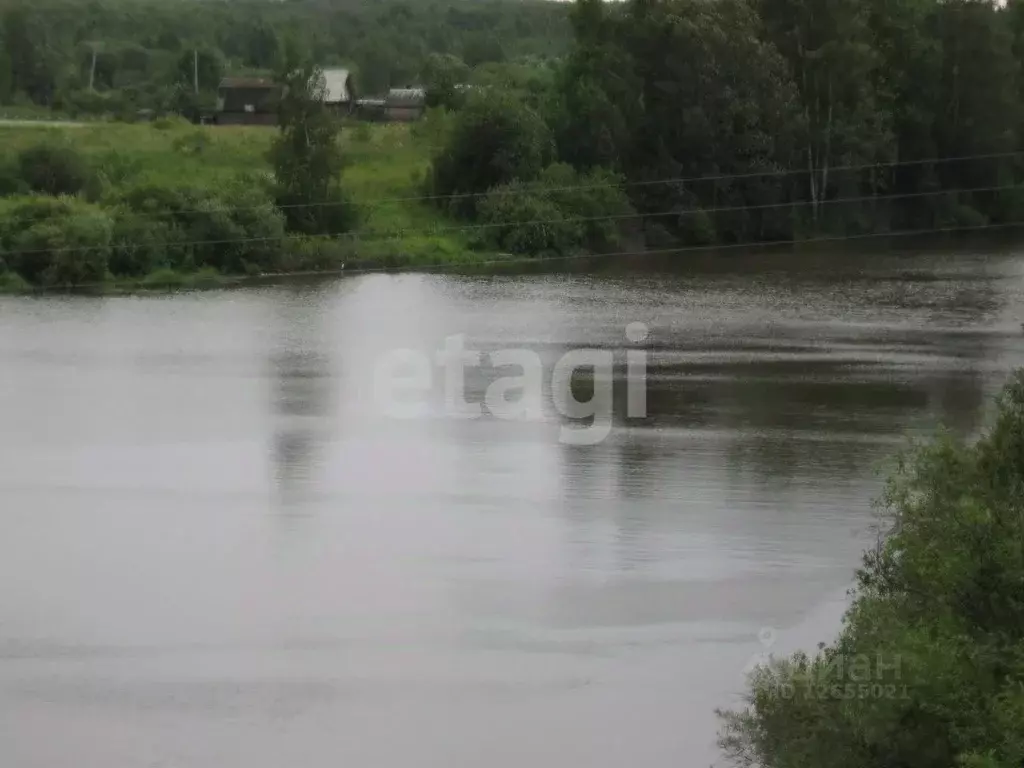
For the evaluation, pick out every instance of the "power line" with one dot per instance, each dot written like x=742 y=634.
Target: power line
x=527 y=189
x=399 y=234
x=511 y=260
x=691 y=211
x=531 y=188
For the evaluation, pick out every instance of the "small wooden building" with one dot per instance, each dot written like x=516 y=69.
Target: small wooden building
x=405 y=104
x=369 y=109
x=247 y=101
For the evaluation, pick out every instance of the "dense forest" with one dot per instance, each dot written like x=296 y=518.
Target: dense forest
x=752 y=120
x=126 y=54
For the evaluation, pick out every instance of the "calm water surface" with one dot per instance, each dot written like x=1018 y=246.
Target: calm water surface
x=216 y=551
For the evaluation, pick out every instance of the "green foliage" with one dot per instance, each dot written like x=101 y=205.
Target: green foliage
x=59 y=54
x=306 y=155
x=53 y=169
x=162 y=200
x=11 y=182
x=717 y=101
x=205 y=63
x=361 y=133
x=12 y=282
x=164 y=277
x=227 y=231
x=442 y=76
x=562 y=213
x=116 y=169
x=303 y=253
x=170 y=123
x=193 y=143
x=735 y=95
x=32 y=62
x=139 y=244
x=55 y=242
x=929 y=667
x=597 y=199
x=434 y=127
x=495 y=140
x=522 y=220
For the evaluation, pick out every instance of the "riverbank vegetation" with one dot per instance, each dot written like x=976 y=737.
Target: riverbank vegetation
x=928 y=670
x=110 y=204
x=554 y=132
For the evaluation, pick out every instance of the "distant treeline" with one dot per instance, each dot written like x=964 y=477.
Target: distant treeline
x=734 y=121
x=119 y=56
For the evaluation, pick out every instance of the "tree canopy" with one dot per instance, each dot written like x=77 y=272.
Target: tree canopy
x=928 y=670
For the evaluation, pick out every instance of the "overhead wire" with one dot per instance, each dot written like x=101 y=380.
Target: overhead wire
x=512 y=259
x=528 y=188
x=371 y=236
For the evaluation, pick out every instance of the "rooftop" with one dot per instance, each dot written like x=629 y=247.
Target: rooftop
x=336 y=86
x=247 y=82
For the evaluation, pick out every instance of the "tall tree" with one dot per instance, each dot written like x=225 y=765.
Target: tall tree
x=829 y=47
x=442 y=75
x=306 y=154
x=6 y=79
x=979 y=113
x=32 y=66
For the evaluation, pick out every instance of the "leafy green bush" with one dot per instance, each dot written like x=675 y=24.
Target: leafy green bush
x=213 y=235
x=85 y=102
x=53 y=169
x=118 y=168
x=12 y=282
x=57 y=241
x=596 y=200
x=928 y=669
x=561 y=213
x=140 y=244
x=695 y=227
x=495 y=140
x=518 y=219
x=234 y=230
x=332 y=214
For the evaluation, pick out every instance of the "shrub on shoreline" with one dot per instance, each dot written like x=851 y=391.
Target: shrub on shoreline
x=54 y=242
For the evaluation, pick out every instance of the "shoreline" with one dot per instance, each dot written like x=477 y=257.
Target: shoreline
x=652 y=261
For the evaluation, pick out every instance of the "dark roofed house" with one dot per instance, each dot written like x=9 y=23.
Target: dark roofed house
x=369 y=109
x=405 y=104
x=247 y=101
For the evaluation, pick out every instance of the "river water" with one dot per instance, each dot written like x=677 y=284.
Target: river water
x=217 y=549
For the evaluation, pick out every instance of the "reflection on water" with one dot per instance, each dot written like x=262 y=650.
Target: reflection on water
x=217 y=550
x=301 y=398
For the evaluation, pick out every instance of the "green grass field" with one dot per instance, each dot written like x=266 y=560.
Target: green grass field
x=386 y=165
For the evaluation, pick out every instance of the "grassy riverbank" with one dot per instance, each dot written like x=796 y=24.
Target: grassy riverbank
x=160 y=203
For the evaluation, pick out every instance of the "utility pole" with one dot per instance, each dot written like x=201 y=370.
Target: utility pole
x=195 y=69
x=92 y=69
